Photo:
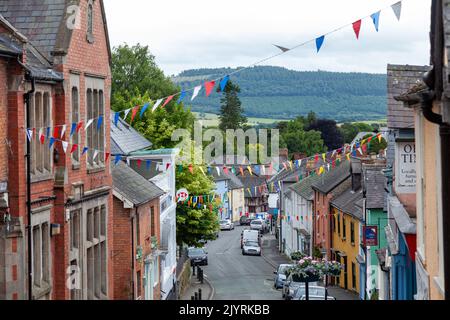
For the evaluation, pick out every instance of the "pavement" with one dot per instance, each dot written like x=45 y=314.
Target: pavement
x=207 y=290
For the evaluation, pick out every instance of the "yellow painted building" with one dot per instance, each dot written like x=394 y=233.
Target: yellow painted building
x=346 y=216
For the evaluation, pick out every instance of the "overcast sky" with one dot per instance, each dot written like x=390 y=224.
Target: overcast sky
x=203 y=33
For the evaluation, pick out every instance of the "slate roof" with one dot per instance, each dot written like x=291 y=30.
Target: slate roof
x=374 y=185
x=348 y=202
x=304 y=189
x=330 y=180
x=219 y=177
x=9 y=47
x=132 y=185
x=401 y=78
x=125 y=139
x=234 y=182
x=252 y=182
x=38 y=20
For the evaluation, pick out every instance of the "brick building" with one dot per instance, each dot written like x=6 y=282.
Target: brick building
x=64 y=51
x=136 y=235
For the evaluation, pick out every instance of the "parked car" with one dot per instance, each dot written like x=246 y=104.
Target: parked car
x=290 y=286
x=315 y=293
x=244 y=221
x=226 y=225
x=257 y=224
x=250 y=235
x=251 y=248
x=198 y=256
x=280 y=275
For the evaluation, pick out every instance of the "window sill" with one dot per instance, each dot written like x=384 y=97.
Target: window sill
x=41 y=177
x=76 y=166
x=96 y=169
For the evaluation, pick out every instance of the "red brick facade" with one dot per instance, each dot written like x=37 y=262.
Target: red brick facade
x=82 y=59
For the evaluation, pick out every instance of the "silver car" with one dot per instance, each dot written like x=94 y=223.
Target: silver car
x=290 y=286
x=280 y=275
x=251 y=248
x=226 y=225
x=314 y=293
x=257 y=225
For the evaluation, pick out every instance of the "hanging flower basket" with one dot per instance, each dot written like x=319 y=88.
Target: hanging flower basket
x=307 y=270
x=307 y=278
x=296 y=256
x=332 y=268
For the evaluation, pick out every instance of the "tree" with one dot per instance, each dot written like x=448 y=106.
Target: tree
x=199 y=223
x=351 y=130
x=138 y=80
x=296 y=139
x=375 y=145
x=231 y=113
x=331 y=134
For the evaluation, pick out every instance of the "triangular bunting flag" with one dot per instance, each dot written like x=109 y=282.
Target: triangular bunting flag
x=196 y=92
x=55 y=132
x=167 y=101
x=376 y=19
x=218 y=171
x=282 y=48
x=224 y=82
x=79 y=125
x=95 y=154
x=139 y=162
x=357 y=27
x=241 y=170
x=319 y=42
x=133 y=113
x=209 y=86
x=73 y=128
x=117 y=159
x=191 y=168
x=41 y=136
x=148 y=164
x=90 y=121
x=99 y=122
x=116 y=118
x=107 y=154
x=397 y=8
x=63 y=130
x=182 y=95
x=65 y=144
x=85 y=149
x=74 y=147
x=156 y=105
x=201 y=169
x=126 y=112
x=250 y=170
x=52 y=141
x=144 y=108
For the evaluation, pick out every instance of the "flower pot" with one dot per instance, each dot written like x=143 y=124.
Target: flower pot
x=309 y=278
x=334 y=273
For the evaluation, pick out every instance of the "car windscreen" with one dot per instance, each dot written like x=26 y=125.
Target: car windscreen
x=282 y=269
x=314 y=291
x=256 y=222
x=251 y=244
x=196 y=252
x=223 y=221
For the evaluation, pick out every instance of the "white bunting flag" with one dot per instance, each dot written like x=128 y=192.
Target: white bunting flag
x=90 y=121
x=41 y=132
x=30 y=134
x=95 y=154
x=157 y=103
x=218 y=171
x=65 y=144
x=63 y=130
x=397 y=8
x=196 y=92
x=263 y=170
x=126 y=112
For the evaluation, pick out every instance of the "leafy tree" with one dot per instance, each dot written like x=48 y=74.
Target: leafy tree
x=138 y=80
x=375 y=145
x=231 y=113
x=195 y=224
x=296 y=139
x=331 y=135
x=351 y=130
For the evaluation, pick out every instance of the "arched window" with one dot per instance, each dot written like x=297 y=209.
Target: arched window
x=90 y=22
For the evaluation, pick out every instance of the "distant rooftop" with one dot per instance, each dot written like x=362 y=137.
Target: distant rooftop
x=125 y=139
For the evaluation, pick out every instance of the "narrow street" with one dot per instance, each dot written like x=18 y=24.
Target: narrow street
x=238 y=277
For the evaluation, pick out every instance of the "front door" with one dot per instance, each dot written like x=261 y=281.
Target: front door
x=345 y=274
x=149 y=281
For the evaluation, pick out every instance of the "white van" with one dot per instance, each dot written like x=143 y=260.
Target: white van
x=252 y=235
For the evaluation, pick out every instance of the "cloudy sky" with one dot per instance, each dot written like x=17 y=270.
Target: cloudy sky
x=203 y=33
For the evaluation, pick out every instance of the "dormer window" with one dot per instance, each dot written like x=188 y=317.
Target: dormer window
x=90 y=22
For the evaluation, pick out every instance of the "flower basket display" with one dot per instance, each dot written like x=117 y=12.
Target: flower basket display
x=307 y=270
x=332 y=268
x=296 y=256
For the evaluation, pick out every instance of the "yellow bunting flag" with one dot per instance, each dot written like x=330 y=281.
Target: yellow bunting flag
x=290 y=164
x=321 y=170
x=379 y=137
x=348 y=156
x=324 y=155
x=201 y=169
x=250 y=170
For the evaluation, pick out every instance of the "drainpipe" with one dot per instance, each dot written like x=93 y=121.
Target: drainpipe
x=27 y=98
x=132 y=257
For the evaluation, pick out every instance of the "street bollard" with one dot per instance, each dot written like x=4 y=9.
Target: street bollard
x=196 y=295
x=200 y=275
x=199 y=294
x=193 y=269
x=192 y=298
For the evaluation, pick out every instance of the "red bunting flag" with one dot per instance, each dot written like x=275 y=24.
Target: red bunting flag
x=55 y=133
x=80 y=124
x=41 y=136
x=133 y=113
x=225 y=169
x=333 y=164
x=167 y=101
x=167 y=166
x=209 y=86
x=316 y=158
x=191 y=168
x=364 y=147
x=74 y=147
x=139 y=162
x=242 y=171
x=107 y=154
x=357 y=27
x=270 y=169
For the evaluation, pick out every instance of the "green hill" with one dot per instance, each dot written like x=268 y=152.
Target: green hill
x=275 y=92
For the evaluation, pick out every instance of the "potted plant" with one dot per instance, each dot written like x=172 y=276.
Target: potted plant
x=307 y=270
